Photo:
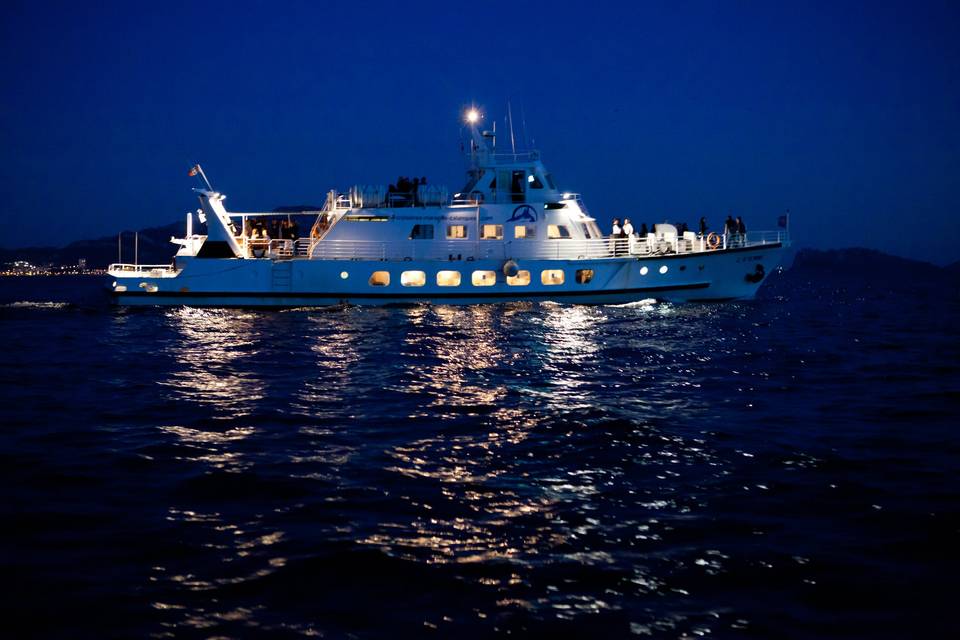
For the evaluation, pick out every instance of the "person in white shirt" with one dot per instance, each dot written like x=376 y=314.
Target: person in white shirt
x=615 y=232
x=627 y=227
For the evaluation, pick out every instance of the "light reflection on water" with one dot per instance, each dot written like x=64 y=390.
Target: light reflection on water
x=524 y=436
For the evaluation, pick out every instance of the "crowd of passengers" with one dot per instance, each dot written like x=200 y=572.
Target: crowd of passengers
x=731 y=227
x=733 y=230
x=408 y=189
x=271 y=229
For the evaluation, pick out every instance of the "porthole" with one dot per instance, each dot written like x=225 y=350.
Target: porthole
x=551 y=276
x=344 y=275
x=584 y=276
x=520 y=280
x=448 y=278
x=413 y=278
x=484 y=278
x=663 y=269
x=644 y=271
x=380 y=279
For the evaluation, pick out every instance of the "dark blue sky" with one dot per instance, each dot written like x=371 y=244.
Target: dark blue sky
x=845 y=113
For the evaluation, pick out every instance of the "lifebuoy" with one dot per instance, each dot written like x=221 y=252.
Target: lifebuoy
x=713 y=241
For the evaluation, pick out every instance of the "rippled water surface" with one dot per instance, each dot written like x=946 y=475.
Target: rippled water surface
x=780 y=468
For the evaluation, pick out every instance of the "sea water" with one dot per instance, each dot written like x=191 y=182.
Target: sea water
x=785 y=467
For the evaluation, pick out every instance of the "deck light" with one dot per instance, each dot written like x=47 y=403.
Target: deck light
x=473 y=116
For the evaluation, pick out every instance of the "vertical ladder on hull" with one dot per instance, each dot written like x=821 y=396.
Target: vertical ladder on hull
x=281 y=276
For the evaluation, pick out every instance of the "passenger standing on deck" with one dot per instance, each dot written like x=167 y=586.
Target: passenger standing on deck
x=703 y=226
x=627 y=228
x=741 y=227
x=730 y=226
x=643 y=231
x=615 y=232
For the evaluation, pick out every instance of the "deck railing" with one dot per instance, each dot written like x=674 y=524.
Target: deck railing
x=559 y=249
x=128 y=270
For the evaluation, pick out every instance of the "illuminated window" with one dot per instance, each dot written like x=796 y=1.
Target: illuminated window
x=534 y=181
x=644 y=271
x=584 y=276
x=551 y=276
x=413 y=278
x=491 y=232
x=484 y=278
x=448 y=278
x=524 y=231
x=520 y=280
x=556 y=231
x=380 y=279
x=422 y=232
x=663 y=269
x=456 y=231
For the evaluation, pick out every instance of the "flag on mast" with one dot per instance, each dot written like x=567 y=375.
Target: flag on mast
x=783 y=221
x=194 y=171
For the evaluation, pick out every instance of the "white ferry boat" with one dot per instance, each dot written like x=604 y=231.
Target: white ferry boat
x=509 y=234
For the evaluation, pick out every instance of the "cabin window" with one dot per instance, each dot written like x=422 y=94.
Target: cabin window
x=551 y=276
x=413 y=278
x=456 y=231
x=586 y=231
x=491 y=232
x=550 y=182
x=484 y=278
x=557 y=231
x=533 y=181
x=516 y=186
x=524 y=231
x=584 y=276
x=522 y=279
x=422 y=232
x=380 y=279
x=448 y=278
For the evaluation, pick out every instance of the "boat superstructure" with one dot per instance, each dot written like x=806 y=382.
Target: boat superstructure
x=509 y=234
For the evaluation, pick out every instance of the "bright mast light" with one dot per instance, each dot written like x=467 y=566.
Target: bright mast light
x=472 y=116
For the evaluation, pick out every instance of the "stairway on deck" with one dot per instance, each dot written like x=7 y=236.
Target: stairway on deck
x=281 y=275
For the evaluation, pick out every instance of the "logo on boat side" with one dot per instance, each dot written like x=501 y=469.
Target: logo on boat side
x=524 y=212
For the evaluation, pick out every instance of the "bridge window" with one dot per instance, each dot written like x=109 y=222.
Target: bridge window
x=584 y=276
x=456 y=231
x=491 y=232
x=586 y=230
x=557 y=231
x=549 y=179
x=448 y=278
x=484 y=278
x=524 y=231
x=551 y=276
x=422 y=232
x=534 y=181
x=380 y=279
x=522 y=279
x=413 y=278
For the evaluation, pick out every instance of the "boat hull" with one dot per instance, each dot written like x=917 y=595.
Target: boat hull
x=215 y=282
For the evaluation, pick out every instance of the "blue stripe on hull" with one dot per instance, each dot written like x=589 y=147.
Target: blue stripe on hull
x=306 y=299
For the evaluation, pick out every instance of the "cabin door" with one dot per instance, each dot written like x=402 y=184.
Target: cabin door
x=511 y=185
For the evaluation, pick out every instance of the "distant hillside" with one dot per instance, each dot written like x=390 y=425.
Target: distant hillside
x=868 y=263
x=155 y=248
